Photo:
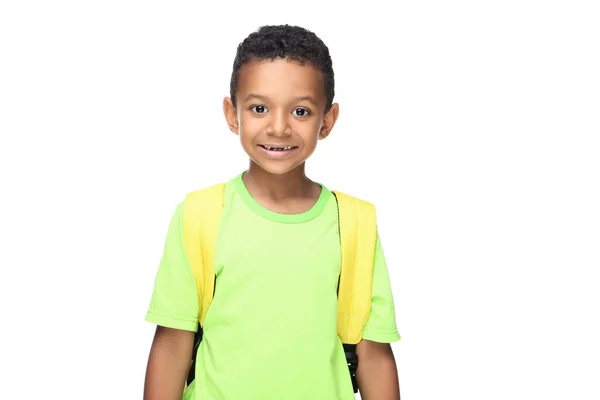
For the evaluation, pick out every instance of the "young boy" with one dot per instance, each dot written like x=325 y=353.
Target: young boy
x=270 y=332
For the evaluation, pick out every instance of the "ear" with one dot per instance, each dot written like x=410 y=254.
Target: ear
x=329 y=121
x=231 y=115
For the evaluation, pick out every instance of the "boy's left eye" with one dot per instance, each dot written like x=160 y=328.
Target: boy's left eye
x=300 y=112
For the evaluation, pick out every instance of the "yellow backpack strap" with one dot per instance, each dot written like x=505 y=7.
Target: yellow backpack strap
x=358 y=235
x=201 y=216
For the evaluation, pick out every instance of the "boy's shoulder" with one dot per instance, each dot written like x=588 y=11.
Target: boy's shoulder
x=206 y=198
x=353 y=201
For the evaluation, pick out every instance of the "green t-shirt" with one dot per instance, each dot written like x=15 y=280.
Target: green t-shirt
x=270 y=332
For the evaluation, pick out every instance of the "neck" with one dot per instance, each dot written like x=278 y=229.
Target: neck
x=292 y=184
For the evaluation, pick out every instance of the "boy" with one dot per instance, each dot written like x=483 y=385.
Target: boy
x=270 y=332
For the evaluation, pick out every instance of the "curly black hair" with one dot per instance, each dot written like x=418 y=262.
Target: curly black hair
x=271 y=42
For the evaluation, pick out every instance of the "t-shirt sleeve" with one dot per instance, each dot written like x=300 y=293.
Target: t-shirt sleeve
x=174 y=302
x=381 y=325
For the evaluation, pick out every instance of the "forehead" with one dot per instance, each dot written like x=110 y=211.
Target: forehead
x=280 y=79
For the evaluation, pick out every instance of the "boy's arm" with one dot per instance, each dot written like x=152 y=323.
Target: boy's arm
x=377 y=375
x=168 y=364
x=174 y=310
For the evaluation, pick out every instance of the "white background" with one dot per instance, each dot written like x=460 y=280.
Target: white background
x=472 y=125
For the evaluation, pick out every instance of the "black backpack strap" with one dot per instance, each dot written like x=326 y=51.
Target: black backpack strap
x=352 y=360
x=197 y=340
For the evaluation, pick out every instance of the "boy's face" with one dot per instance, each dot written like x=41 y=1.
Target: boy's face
x=280 y=113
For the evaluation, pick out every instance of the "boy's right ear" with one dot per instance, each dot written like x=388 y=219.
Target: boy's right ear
x=231 y=115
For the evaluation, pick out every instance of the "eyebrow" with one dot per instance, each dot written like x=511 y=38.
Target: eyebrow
x=265 y=98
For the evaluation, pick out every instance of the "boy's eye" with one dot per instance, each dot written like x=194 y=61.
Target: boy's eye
x=259 y=109
x=300 y=112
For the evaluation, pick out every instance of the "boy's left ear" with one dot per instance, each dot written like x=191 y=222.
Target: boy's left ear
x=329 y=121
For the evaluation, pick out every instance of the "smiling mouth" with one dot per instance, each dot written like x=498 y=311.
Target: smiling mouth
x=273 y=148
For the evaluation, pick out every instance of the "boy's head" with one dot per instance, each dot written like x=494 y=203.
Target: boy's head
x=285 y=42
x=281 y=96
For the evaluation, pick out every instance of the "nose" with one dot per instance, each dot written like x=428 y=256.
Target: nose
x=279 y=124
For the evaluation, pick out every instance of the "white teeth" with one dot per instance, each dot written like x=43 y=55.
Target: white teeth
x=278 y=148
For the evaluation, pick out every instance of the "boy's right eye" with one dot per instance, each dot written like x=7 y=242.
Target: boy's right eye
x=259 y=109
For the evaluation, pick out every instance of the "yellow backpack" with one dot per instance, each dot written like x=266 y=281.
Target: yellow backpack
x=357 y=224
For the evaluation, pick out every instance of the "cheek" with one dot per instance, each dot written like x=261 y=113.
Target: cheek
x=251 y=126
x=309 y=131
